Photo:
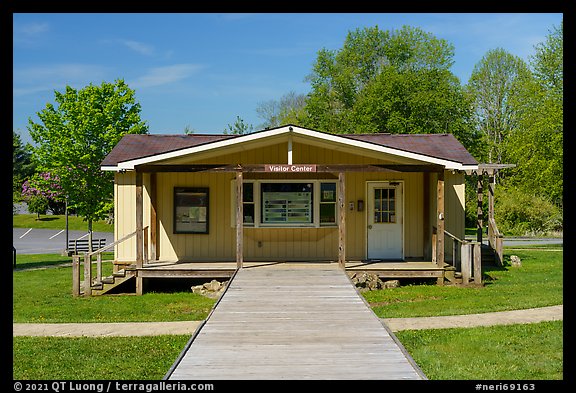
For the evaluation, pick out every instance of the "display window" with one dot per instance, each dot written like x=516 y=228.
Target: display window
x=191 y=210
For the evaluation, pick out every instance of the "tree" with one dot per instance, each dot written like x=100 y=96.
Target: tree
x=414 y=101
x=536 y=145
x=22 y=165
x=189 y=130
x=387 y=81
x=74 y=137
x=43 y=192
x=286 y=110
x=239 y=127
x=493 y=85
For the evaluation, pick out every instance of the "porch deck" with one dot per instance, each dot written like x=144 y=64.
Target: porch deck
x=384 y=269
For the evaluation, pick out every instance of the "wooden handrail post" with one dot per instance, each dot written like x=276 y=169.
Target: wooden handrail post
x=145 y=250
x=434 y=245
x=75 y=275
x=99 y=268
x=466 y=261
x=477 y=263
x=87 y=274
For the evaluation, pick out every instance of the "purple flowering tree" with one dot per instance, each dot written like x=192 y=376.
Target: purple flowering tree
x=42 y=192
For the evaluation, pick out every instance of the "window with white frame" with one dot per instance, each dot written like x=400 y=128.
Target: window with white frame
x=287 y=203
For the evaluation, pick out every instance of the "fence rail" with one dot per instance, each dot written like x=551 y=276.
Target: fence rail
x=470 y=257
x=87 y=258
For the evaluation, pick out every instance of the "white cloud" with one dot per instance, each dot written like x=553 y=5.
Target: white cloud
x=32 y=80
x=29 y=33
x=165 y=75
x=138 y=47
x=33 y=28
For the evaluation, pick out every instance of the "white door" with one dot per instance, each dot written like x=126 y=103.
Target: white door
x=385 y=221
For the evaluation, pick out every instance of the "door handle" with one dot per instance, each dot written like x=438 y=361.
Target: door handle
x=369 y=226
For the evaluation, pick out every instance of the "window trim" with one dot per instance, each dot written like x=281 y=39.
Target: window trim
x=258 y=204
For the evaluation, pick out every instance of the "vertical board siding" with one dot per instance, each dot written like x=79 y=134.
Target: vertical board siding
x=280 y=243
x=125 y=215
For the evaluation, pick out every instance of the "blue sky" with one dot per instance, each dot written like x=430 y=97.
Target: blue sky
x=203 y=70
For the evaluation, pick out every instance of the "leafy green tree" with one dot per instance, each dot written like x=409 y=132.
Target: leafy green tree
x=283 y=111
x=189 y=130
x=22 y=165
x=73 y=137
x=407 y=65
x=239 y=127
x=415 y=101
x=536 y=145
x=493 y=85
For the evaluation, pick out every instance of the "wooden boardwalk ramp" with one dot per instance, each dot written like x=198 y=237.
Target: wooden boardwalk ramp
x=293 y=321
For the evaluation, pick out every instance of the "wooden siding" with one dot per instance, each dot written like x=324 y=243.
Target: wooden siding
x=279 y=243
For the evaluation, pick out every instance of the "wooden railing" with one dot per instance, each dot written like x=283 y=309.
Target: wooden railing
x=470 y=256
x=496 y=241
x=87 y=257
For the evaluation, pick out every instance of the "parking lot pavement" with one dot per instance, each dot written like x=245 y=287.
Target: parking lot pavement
x=49 y=241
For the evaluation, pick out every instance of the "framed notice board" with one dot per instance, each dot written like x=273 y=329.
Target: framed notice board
x=191 y=212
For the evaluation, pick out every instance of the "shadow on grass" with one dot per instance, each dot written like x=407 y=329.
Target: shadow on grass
x=41 y=265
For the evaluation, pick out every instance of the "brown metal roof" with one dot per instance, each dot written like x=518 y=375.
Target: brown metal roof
x=443 y=146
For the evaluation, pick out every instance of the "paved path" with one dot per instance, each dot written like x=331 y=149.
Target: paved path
x=49 y=241
x=552 y=313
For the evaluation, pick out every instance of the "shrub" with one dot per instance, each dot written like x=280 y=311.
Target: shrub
x=519 y=213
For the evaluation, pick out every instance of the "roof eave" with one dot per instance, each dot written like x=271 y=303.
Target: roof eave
x=295 y=130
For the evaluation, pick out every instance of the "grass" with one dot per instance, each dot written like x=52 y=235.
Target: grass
x=514 y=352
x=537 y=283
x=44 y=295
x=95 y=358
x=58 y=222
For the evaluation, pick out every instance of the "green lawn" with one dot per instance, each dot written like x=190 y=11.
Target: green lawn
x=537 y=283
x=514 y=352
x=137 y=358
x=45 y=295
x=58 y=222
x=532 y=351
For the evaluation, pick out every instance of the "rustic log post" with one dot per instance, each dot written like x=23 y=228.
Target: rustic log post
x=341 y=221
x=145 y=248
x=477 y=263
x=153 y=219
x=239 y=219
x=139 y=232
x=99 y=268
x=427 y=226
x=76 y=275
x=434 y=245
x=466 y=263
x=479 y=212
x=440 y=223
x=87 y=275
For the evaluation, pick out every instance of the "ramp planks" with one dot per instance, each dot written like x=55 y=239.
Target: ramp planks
x=294 y=321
